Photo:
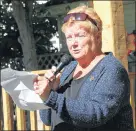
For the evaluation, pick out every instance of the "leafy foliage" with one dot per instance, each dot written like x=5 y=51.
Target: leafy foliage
x=9 y=46
x=44 y=29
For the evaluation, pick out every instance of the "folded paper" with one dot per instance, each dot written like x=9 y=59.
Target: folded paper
x=19 y=85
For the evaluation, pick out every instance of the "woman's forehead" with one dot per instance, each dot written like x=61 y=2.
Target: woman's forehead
x=76 y=28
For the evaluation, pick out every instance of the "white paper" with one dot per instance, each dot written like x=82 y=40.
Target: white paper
x=19 y=85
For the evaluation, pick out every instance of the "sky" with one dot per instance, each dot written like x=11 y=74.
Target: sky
x=41 y=1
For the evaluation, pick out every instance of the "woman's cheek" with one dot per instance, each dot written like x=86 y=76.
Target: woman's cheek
x=69 y=46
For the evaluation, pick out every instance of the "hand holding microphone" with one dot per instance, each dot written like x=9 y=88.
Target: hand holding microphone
x=44 y=84
x=51 y=80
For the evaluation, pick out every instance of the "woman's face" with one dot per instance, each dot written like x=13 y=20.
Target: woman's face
x=80 y=42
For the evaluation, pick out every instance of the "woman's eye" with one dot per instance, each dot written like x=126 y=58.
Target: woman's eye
x=81 y=35
x=69 y=38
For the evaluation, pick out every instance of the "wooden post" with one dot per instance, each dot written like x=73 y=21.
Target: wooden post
x=113 y=34
x=47 y=128
x=33 y=120
x=0 y=125
x=21 y=119
x=7 y=111
x=1 y=114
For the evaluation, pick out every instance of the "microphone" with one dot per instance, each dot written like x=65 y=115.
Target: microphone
x=65 y=60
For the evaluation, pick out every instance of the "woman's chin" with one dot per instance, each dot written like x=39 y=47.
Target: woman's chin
x=77 y=56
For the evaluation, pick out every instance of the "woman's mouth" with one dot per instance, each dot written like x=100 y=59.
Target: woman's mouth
x=76 y=51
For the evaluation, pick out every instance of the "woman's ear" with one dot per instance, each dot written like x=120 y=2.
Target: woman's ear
x=99 y=36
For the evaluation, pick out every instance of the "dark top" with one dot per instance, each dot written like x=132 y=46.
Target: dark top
x=101 y=103
x=70 y=89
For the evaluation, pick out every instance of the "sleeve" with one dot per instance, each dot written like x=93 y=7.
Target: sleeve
x=45 y=116
x=110 y=93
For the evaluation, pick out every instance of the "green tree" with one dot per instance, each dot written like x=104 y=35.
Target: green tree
x=25 y=28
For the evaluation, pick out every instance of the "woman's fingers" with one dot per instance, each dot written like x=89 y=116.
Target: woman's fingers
x=35 y=83
x=39 y=78
x=50 y=75
x=39 y=84
x=53 y=69
x=49 y=80
x=39 y=91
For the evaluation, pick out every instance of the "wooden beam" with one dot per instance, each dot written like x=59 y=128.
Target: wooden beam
x=7 y=111
x=113 y=34
x=58 y=10
x=39 y=72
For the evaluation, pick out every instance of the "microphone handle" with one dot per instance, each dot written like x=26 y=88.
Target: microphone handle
x=59 y=68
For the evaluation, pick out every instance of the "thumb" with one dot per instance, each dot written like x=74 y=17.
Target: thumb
x=54 y=68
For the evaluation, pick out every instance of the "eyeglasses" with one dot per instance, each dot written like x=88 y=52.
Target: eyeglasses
x=79 y=17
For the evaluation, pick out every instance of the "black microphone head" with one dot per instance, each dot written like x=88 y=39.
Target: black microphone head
x=66 y=59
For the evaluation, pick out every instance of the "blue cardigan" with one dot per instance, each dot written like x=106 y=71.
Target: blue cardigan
x=103 y=101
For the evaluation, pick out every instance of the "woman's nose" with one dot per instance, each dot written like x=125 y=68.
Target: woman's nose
x=75 y=43
x=75 y=40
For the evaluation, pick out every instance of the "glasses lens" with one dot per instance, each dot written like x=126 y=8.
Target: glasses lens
x=66 y=18
x=80 y=16
x=77 y=16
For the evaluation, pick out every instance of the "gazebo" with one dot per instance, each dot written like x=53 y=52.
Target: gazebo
x=114 y=40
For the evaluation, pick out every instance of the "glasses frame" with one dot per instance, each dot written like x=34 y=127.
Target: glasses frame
x=79 y=17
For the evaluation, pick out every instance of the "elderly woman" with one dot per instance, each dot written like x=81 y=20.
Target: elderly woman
x=92 y=93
